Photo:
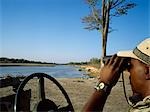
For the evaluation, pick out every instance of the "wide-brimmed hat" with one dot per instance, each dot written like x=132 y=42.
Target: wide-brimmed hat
x=141 y=52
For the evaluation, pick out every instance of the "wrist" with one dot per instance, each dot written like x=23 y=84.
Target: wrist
x=102 y=86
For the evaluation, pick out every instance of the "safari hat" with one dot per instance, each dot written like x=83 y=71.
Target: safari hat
x=141 y=52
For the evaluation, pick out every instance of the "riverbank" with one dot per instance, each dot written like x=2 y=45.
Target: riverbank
x=91 y=71
x=79 y=91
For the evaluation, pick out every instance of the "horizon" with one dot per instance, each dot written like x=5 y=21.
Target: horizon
x=42 y=61
x=52 y=30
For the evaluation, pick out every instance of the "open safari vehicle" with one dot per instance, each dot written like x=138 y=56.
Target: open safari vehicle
x=21 y=100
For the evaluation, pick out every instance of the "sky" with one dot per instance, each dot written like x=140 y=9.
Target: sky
x=52 y=30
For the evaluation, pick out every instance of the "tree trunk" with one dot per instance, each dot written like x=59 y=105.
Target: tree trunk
x=105 y=29
x=104 y=45
x=103 y=50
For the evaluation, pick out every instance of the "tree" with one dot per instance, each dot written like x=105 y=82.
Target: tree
x=94 y=61
x=102 y=12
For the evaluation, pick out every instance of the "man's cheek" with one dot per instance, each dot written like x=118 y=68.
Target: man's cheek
x=139 y=71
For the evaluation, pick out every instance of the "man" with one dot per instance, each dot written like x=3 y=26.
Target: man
x=139 y=68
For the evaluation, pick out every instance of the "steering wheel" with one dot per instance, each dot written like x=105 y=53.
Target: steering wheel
x=44 y=104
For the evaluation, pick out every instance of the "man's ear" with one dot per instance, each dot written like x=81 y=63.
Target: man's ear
x=147 y=73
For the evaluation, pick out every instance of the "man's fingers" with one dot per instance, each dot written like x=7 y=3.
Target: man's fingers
x=107 y=61
x=120 y=64
x=117 y=62
x=112 y=59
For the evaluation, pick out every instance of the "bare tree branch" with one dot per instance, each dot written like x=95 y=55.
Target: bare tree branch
x=101 y=15
x=117 y=3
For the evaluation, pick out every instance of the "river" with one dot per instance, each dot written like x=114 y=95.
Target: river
x=59 y=71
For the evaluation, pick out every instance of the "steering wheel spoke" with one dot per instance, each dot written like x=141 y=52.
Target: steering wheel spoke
x=41 y=89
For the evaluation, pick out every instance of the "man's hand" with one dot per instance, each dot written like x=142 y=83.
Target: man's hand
x=110 y=73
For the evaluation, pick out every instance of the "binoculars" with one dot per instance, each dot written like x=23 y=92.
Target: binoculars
x=126 y=64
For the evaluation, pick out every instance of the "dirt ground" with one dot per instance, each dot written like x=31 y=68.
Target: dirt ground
x=79 y=91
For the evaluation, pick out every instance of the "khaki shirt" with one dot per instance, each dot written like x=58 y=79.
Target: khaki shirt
x=142 y=106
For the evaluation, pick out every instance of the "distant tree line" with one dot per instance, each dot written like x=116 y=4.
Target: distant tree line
x=78 y=63
x=12 y=60
x=93 y=62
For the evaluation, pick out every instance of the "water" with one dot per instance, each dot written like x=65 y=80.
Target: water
x=59 y=71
